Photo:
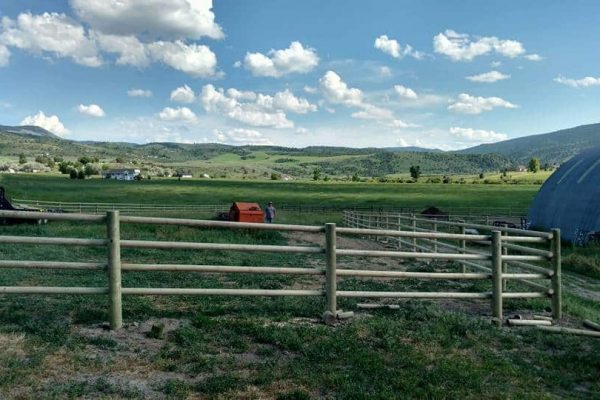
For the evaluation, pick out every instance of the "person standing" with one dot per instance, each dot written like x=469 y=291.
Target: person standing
x=270 y=213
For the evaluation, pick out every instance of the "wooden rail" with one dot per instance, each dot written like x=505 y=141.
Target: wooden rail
x=392 y=230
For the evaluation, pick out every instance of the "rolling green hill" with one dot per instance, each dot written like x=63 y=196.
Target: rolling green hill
x=553 y=147
x=261 y=161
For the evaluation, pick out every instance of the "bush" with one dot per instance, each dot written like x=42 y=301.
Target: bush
x=91 y=169
x=81 y=174
x=73 y=173
x=275 y=177
x=447 y=179
x=34 y=166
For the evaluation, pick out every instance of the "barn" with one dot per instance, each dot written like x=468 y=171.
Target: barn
x=570 y=199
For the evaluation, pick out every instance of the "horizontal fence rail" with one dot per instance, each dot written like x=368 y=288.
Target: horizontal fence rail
x=490 y=252
x=481 y=214
x=503 y=253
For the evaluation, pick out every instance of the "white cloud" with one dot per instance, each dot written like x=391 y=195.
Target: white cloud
x=588 y=81
x=369 y=111
x=337 y=91
x=254 y=114
x=460 y=46
x=277 y=63
x=193 y=59
x=183 y=94
x=50 y=123
x=288 y=102
x=405 y=92
x=241 y=94
x=160 y=19
x=495 y=64
x=139 y=93
x=242 y=136
x=385 y=72
x=393 y=48
x=4 y=56
x=534 y=57
x=468 y=104
x=129 y=49
x=488 y=77
x=51 y=33
x=477 y=135
x=310 y=89
x=93 y=110
x=180 y=114
x=237 y=64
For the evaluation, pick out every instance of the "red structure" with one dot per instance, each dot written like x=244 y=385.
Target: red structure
x=246 y=212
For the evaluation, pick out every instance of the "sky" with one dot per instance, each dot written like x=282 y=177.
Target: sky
x=386 y=73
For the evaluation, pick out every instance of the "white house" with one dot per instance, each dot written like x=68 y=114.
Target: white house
x=126 y=174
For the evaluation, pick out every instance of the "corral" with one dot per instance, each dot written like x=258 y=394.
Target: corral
x=224 y=346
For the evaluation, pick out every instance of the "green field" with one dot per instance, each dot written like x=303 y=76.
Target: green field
x=214 y=191
x=270 y=348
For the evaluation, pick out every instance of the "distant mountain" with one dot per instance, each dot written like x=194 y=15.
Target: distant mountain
x=28 y=130
x=553 y=147
x=412 y=149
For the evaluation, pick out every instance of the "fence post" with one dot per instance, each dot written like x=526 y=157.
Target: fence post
x=435 y=241
x=399 y=229
x=331 y=266
x=556 y=277
x=497 y=277
x=463 y=248
x=504 y=263
x=414 y=228
x=114 y=269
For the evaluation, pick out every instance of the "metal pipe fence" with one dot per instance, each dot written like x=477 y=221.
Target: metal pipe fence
x=392 y=230
x=505 y=254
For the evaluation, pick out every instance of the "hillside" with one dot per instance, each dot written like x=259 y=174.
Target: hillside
x=249 y=161
x=553 y=147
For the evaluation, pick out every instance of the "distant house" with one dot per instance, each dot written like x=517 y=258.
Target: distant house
x=521 y=168
x=125 y=174
x=186 y=175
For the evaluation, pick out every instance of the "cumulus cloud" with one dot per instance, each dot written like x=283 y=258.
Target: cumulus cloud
x=588 y=81
x=468 y=104
x=129 y=50
x=405 y=92
x=534 y=57
x=180 y=114
x=337 y=91
x=477 y=135
x=51 y=33
x=4 y=56
x=50 y=123
x=254 y=113
x=393 y=48
x=159 y=19
x=193 y=59
x=93 y=110
x=242 y=136
x=461 y=47
x=183 y=94
x=488 y=77
x=288 y=102
x=139 y=93
x=277 y=63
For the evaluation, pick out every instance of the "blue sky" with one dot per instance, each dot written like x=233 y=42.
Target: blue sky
x=297 y=73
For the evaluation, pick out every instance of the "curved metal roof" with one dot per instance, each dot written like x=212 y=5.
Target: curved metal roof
x=570 y=198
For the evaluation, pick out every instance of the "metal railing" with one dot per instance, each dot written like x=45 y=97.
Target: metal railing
x=331 y=273
x=470 y=213
x=532 y=255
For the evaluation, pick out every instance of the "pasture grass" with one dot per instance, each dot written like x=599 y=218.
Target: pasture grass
x=230 y=347
x=214 y=191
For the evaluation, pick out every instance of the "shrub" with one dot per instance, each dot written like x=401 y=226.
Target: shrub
x=73 y=173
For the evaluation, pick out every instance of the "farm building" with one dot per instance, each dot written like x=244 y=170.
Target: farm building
x=569 y=199
x=125 y=174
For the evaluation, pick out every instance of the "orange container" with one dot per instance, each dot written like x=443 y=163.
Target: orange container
x=246 y=212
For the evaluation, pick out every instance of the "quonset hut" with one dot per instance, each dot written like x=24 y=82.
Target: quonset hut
x=570 y=199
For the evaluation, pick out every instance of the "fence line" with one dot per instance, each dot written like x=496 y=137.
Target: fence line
x=377 y=228
x=471 y=213
x=431 y=234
